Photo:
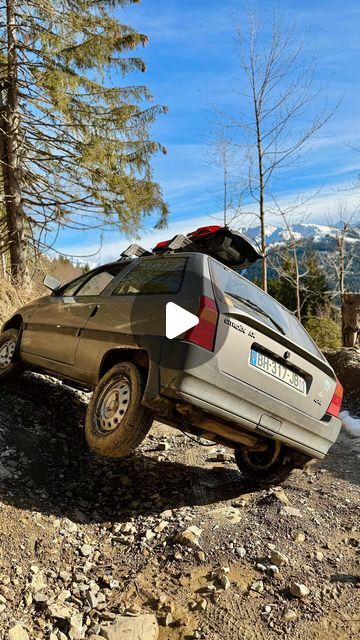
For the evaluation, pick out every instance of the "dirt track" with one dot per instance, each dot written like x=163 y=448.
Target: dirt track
x=101 y=536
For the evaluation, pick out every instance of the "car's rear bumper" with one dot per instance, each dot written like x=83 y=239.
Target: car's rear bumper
x=204 y=386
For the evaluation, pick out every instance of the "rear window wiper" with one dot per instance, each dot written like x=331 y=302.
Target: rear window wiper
x=253 y=305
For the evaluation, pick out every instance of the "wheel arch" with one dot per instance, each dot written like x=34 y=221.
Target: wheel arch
x=13 y=323
x=112 y=357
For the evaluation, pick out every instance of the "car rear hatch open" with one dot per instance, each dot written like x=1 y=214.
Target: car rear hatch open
x=262 y=344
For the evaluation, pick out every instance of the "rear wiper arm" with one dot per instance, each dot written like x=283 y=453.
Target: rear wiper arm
x=253 y=305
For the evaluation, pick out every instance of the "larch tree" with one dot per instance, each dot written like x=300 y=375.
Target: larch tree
x=75 y=146
x=276 y=114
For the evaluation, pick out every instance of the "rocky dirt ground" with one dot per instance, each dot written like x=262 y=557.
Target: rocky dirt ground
x=172 y=531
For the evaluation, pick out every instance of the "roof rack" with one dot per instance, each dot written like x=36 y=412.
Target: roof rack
x=134 y=251
x=233 y=248
x=177 y=243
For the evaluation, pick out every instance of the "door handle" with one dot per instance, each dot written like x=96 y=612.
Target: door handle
x=94 y=311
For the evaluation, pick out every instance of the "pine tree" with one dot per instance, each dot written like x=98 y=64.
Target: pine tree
x=75 y=147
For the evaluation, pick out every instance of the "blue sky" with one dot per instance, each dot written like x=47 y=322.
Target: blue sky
x=192 y=64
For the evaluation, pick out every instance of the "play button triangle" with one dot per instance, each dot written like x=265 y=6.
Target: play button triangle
x=178 y=320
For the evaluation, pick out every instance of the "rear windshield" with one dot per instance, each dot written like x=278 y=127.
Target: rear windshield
x=153 y=276
x=248 y=296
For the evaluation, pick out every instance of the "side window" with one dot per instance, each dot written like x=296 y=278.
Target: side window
x=153 y=276
x=73 y=286
x=96 y=285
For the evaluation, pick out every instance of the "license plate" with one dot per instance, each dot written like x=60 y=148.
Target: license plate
x=277 y=370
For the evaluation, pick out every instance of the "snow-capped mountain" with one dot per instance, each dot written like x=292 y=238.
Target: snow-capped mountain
x=316 y=232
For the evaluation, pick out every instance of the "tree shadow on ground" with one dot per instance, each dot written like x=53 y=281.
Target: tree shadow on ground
x=48 y=467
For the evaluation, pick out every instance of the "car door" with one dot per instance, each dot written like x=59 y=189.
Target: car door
x=133 y=308
x=54 y=328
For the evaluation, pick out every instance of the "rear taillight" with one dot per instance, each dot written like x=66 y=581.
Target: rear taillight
x=203 y=334
x=336 y=400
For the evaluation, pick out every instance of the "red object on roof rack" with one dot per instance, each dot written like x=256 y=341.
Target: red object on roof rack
x=232 y=248
x=203 y=231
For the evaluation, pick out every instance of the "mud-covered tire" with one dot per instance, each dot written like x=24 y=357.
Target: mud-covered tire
x=272 y=466
x=116 y=422
x=10 y=368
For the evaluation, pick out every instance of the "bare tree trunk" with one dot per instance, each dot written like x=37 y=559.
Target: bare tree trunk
x=348 y=321
x=261 y=195
x=298 y=297
x=225 y=194
x=350 y=309
x=10 y=158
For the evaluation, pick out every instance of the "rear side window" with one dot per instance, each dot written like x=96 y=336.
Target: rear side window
x=159 y=276
x=249 y=296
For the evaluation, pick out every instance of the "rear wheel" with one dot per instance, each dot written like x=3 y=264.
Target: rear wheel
x=10 y=369
x=271 y=465
x=116 y=421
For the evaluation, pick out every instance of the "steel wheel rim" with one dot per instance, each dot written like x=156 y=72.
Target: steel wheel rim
x=112 y=406
x=7 y=350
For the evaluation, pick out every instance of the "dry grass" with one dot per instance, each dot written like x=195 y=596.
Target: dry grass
x=12 y=297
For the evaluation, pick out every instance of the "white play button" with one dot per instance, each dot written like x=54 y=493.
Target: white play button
x=178 y=320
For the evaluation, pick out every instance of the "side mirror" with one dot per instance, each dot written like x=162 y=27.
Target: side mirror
x=52 y=283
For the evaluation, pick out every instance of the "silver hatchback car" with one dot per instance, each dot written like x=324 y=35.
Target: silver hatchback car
x=247 y=375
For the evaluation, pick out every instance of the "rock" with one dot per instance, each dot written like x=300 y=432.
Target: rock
x=201 y=604
x=319 y=556
x=161 y=526
x=291 y=511
x=92 y=599
x=273 y=569
x=38 y=581
x=18 y=633
x=289 y=615
x=127 y=528
x=143 y=627
x=40 y=598
x=224 y=582
x=298 y=590
x=149 y=535
x=64 y=595
x=190 y=537
x=278 y=558
x=59 y=611
x=241 y=552
x=257 y=586
x=231 y=514
x=280 y=494
x=86 y=550
x=166 y=620
x=299 y=537
x=70 y=526
x=76 y=631
x=200 y=555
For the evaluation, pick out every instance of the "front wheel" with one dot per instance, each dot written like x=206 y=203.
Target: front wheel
x=116 y=422
x=9 y=367
x=271 y=465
